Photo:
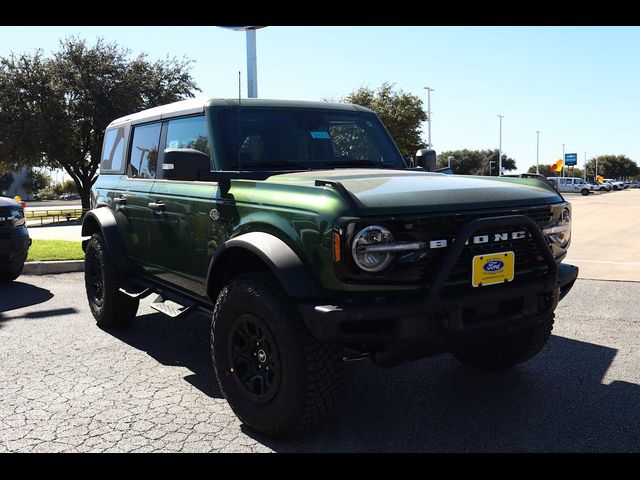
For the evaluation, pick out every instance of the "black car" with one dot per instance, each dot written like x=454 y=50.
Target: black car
x=14 y=239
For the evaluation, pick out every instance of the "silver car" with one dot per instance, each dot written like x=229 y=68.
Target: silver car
x=571 y=185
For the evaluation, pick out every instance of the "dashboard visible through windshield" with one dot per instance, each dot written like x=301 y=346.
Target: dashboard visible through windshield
x=298 y=138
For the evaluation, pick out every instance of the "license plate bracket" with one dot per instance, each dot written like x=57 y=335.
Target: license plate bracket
x=492 y=268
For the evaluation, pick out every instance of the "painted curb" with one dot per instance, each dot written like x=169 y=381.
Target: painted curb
x=48 y=268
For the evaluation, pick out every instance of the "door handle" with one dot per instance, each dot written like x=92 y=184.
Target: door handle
x=120 y=201
x=158 y=207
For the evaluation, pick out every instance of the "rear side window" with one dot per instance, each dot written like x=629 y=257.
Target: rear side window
x=112 y=151
x=144 y=151
x=188 y=133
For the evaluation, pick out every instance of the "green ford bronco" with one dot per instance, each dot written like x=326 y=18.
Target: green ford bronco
x=303 y=233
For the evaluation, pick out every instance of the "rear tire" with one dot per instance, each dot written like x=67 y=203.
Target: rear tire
x=278 y=379
x=508 y=352
x=103 y=280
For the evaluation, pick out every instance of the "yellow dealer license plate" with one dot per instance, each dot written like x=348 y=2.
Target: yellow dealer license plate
x=493 y=268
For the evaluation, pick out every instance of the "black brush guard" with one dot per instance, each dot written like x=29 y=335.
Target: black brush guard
x=441 y=314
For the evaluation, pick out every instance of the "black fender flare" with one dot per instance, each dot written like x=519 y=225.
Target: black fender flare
x=282 y=261
x=104 y=221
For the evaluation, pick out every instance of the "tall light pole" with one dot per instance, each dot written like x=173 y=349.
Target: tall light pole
x=500 y=149
x=429 y=90
x=562 y=173
x=585 y=166
x=537 y=151
x=252 y=64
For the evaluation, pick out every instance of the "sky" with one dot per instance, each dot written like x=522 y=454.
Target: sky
x=576 y=85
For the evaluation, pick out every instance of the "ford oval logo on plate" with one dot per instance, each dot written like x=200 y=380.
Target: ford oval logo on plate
x=493 y=266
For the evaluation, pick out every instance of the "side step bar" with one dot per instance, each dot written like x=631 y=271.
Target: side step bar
x=141 y=294
x=171 y=311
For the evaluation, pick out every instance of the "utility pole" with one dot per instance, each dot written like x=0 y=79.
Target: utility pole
x=500 y=149
x=449 y=160
x=537 y=151
x=585 y=166
x=562 y=173
x=429 y=90
x=252 y=66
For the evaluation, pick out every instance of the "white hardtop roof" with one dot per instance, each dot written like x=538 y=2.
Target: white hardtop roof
x=183 y=107
x=197 y=105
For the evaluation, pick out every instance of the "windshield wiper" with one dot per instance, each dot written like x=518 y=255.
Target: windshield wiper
x=279 y=165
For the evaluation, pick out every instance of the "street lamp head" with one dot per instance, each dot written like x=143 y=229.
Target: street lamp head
x=429 y=88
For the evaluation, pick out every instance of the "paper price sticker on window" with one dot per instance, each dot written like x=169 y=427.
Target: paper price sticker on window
x=320 y=135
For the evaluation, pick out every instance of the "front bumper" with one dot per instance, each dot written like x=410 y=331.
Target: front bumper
x=448 y=317
x=488 y=310
x=14 y=244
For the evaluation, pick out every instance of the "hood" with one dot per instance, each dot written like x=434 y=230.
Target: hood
x=8 y=202
x=398 y=191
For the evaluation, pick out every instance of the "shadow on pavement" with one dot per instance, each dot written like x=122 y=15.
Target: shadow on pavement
x=554 y=402
x=14 y=295
x=182 y=342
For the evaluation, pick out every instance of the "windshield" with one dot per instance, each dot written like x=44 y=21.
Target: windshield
x=298 y=138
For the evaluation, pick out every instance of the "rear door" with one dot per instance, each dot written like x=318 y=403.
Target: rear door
x=132 y=207
x=184 y=236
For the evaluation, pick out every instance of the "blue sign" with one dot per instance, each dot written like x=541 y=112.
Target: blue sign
x=570 y=159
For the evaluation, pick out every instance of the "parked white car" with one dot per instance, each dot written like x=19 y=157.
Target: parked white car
x=617 y=185
x=571 y=185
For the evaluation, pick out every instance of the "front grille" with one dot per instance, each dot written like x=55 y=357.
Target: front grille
x=4 y=213
x=529 y=260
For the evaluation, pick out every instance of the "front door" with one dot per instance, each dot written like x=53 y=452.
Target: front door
x=184 y=234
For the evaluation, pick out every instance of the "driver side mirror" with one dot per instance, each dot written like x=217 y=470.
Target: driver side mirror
x=185 y=164
x=427 y=159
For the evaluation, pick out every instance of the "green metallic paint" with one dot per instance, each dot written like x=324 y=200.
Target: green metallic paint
x=289 y=206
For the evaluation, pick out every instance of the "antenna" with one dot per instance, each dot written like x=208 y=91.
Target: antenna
x=239 y=119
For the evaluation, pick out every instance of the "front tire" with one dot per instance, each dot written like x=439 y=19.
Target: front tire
x=278 y=379
x=12 y=270
x=585 y=192
x=103 y=281
x=508 y=352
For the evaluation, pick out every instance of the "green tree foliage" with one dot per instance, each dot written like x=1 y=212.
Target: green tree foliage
x=6 y=179
x=36 y=181
x=68 y=186
x=54 y=110
x=475 y=162
x=612 y=166
x=401 y=113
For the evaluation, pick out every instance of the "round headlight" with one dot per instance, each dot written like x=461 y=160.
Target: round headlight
x=563 y=237
x=367 y=237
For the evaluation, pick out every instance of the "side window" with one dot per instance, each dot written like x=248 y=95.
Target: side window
x=188 y=133
x=144 y=151
x=112 y=150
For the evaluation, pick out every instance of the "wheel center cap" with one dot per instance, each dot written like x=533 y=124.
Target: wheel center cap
x=262 y=356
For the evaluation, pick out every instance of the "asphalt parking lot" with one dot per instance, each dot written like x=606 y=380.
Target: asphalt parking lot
x=67 y=385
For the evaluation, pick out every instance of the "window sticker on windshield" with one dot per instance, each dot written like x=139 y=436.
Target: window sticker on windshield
x=320 y=135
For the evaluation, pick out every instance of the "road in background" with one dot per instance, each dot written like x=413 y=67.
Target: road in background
x=605 y=236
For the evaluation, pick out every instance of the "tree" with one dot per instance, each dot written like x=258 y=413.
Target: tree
x=54 y=110
x=475 y=162
x=401 y=113
x=612 y=166
x=6 y=179
x=68 y=186
x=36 y=180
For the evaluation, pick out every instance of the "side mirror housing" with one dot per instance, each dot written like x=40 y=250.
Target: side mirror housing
x=427 y=159
x=185 y=164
